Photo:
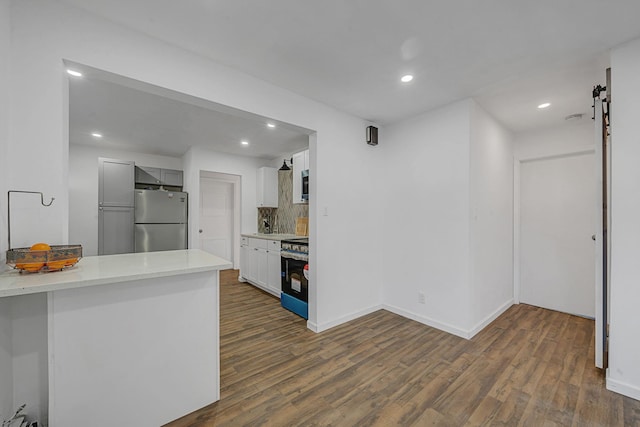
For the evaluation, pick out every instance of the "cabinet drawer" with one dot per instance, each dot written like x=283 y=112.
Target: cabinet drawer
x=273 y=245
x=258 y=243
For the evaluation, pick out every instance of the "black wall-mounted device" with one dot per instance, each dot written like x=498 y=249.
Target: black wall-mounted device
x=372 y=135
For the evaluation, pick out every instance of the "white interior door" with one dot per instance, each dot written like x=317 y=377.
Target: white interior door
x=557 y=217
x=216 y=217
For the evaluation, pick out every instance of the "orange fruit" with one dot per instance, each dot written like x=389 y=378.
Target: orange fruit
x=70 y=261
x=40 y=247
x=30 y=266
x=55 y=265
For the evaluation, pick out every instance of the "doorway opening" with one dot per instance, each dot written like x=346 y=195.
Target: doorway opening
x=555 y=258
x=219 y=215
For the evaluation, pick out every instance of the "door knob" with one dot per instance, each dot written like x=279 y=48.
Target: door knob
x=593 y=237
x=200 y=231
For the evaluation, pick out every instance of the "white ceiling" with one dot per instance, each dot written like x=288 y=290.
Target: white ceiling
x=134 y=116
x=510 y=55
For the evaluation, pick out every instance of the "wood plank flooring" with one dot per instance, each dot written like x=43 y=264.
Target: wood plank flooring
x=530 y=367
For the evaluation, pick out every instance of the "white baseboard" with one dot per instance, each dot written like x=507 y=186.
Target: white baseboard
x=344 y=319
x=427 y=321
x=467 y=334
x=623 y=388
x=490 y=318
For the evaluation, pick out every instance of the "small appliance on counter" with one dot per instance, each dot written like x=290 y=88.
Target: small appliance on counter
x=294 y=258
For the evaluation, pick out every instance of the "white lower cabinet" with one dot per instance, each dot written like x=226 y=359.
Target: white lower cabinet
x=263 y=265
x=244 y=258
x=252 y=264
x=260 y=263
x=274 y=282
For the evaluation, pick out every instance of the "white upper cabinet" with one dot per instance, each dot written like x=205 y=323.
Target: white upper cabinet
x=267 y=187
x=115 y=182
x=158 y=176
x=300 y=163
x=171 y=177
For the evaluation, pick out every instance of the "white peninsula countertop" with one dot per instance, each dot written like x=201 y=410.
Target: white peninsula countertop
x=274 y=236
x=108 y=269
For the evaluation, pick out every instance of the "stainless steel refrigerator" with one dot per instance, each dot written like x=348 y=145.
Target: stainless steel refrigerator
x=160 y=220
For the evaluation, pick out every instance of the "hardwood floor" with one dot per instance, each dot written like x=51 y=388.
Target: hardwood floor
x=530 y=367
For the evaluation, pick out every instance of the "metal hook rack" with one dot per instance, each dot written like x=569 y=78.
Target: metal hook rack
x=9 y=208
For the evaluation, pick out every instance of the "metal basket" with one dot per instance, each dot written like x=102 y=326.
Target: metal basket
x=56 y=259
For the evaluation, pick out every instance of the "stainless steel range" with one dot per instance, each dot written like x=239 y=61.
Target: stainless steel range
x=295 y=276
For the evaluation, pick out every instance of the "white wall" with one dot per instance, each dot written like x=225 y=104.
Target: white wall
x=6 y=369
x=553 y=141
x=447 y=226
x=5 y=49
x=37 y=145
x=83 y=189
x=46 y=32
x=30 y=360
x=6 y=354
x=491 y=218
x=624 y=345
x=425 y=228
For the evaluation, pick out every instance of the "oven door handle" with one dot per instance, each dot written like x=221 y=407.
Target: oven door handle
x=294 y=257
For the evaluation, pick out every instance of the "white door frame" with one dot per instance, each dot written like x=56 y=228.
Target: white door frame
x=517 y=163
x=235 y=181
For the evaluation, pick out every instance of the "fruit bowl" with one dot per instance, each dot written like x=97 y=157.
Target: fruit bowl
x=58 y=257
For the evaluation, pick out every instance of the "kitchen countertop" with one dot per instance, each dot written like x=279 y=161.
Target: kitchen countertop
x=106 y=269
x=274 y=236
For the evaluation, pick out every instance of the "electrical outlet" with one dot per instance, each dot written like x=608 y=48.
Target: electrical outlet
x=421 y=298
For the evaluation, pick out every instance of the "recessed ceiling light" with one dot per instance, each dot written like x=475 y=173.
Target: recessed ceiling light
x=544 y=105
x=74 y=73
x=96 y=135
x=244 y=142
x=271 y=125
x=406 y=78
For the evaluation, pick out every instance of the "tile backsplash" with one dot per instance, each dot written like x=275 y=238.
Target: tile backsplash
x=283 y=218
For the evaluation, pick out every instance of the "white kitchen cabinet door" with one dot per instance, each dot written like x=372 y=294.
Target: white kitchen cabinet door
x=300 y=163
x=158 y=176
x=252 y=264
x=115 y=230
x=244 y=254
x=274 y=277
x=147 y=175
x=267 y=187
x=115 y=182
x=263 y=266
x=171 y=177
